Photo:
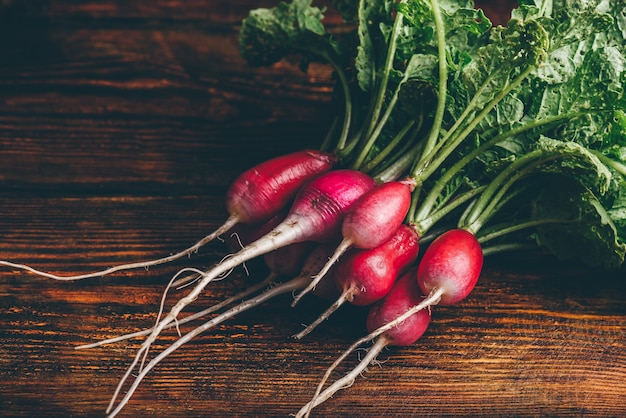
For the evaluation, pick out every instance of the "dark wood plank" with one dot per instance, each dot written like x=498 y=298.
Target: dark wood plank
x=121 y=125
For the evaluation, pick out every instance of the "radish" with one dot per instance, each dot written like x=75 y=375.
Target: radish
x=315 y=215
x=254 y=197
x=365 y=276
x=404 y=294
x=447 y=273
x=314 y=261
x=260 y=192
x=370 y=222
x=450 y=267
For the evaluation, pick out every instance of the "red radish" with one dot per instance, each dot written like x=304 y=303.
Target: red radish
x=373 y=219
x=315 y=215
x=404 y=294
x=260 y=192
x=312 y=264
x=365 y=276
x=254 y=197
x=451 y=266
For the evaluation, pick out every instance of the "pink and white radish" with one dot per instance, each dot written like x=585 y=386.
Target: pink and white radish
x=365 y=276
x=313 y=262
x=254 y=197
x=373 y=219
x=404 y=294
x=316 y=215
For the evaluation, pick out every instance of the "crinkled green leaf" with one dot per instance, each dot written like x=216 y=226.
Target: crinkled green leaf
x=575 y=161
x=268 y=35
x=372 y=46
x=347 y=8
x=585 y=232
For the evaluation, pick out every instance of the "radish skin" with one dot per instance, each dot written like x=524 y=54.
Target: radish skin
x=372 y=220
x=404 y=294
x=365 y=276
x=254 y=197
x=451 y=265
x=315 y=215
x=262 y=191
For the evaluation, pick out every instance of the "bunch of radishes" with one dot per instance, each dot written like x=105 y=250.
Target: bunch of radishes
x=344 y=232
x=344 y=237
x=453 y=134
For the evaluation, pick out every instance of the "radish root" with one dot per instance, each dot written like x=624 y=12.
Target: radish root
x=327 y=313
x=230 y=222
x=291 y=285
x=250 y=290
x=341 y=249
x=432 y=299
x=346 y=381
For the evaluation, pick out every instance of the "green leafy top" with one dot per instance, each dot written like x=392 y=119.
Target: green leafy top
x=478 y=115
x=268 y=35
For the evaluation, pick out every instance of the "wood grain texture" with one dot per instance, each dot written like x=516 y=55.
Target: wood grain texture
x=121 y=125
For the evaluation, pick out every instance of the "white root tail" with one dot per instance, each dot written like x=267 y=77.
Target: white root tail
x=325 y=315
x=230 y=222
x=341 y=249
x=280 y=236
x=432 y=299
x=290 y=286
x=346 y=381
x=243 y=294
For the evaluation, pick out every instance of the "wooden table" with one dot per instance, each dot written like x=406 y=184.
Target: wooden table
x=121 y=125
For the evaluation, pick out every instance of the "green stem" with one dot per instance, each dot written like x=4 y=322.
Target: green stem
x=512 y=246
x=490 y=199
x=382 y=87
x=615 y=165
x=443 y=78
x=498 y=231
x=425 y=224
x=343 y=81
x=431 y=163
x=347 y=119
x=497 y=206
x=401 y=164
x=389 y=148
x=430 y=200
x=326 y=144
x=414 y=202
x=484 y=207
x=373 y=136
